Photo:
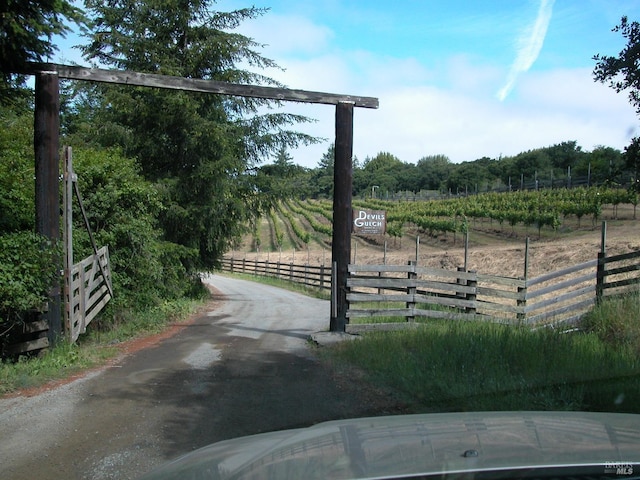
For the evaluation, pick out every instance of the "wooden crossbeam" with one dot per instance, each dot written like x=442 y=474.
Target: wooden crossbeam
x=199 y=85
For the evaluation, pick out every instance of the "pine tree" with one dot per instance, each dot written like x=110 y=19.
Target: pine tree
x=200 y=149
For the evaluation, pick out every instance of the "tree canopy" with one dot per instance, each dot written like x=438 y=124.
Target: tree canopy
x=26 y=28
x=622 y=73
x=201 y=150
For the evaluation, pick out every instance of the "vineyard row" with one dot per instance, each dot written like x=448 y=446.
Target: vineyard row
x=547 y=208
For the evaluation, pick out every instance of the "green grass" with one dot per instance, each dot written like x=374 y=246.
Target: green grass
x=60 y=362
x=457 y=366
x=617 y=321
x=323 y=294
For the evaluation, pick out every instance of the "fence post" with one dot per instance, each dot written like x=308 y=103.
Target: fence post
x=411 y=290
x=67 y=235
x=472 y=296
x=322 y=275
x=522 y=302
x=462 y=282
x=522 y=291
x=601 y=270
x=334 y=290
x=466 y=249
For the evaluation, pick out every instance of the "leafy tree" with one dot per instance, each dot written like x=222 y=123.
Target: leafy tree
x=564 y=155
x=408 y=178
x=469 y=177
x=322 y=176
x=199 y=149
x=632 y=161
x=621 y=72
x=27 y=269
x=122 y=209
x=532 y=164
x=433 y=171
x=604 y=164
x=26 y=28
x=383 y=171
x=282 y=179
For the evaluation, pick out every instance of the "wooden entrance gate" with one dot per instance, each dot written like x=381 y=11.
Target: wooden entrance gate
x=46 y=146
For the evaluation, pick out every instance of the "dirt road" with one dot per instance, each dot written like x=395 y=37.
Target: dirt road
x=241 y=368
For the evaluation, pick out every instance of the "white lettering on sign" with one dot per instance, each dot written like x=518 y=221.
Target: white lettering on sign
x=365 y=219
x=369 y=222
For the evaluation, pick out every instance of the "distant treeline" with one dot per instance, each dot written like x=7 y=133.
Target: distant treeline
x=384 y=176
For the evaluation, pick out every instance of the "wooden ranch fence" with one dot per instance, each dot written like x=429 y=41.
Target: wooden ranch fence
x=378 y=292
x=388 y=294
x=308 y=275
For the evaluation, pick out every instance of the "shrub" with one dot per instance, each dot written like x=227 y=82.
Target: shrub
x=27 y=270
x=122 y=209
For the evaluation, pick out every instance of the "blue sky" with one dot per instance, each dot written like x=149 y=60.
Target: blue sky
x=465 y=79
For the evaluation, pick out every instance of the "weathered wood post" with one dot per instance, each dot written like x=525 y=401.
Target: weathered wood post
x=521 y=316
x=46 y=145
x=67 y=236
x=472 y=296
x=342 y=217
x=412 y=277
x=601 y=270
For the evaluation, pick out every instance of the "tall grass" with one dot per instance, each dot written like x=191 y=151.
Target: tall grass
x=617 y=321
x=453 y=366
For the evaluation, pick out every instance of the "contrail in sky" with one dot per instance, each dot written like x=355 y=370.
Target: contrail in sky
x=529 y=47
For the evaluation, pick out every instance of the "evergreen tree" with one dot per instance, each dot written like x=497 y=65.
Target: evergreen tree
x=200 y=149
x=26 y=28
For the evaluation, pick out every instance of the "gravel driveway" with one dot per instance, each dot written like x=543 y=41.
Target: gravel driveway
x=245 y=366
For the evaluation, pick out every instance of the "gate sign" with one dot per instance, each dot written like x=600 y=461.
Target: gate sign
x=369 y=222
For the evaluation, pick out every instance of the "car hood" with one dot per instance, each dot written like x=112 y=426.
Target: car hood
x=491 y=443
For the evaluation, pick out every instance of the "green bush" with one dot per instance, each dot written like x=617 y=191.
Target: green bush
x=122 y=208
x=17 y=186
x=27 y=270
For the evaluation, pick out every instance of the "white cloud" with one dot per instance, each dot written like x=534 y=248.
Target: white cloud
x=465 y=124
x=287 y=35
x=529 y=48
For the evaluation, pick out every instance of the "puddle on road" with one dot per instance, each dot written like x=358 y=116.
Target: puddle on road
x=203 y=356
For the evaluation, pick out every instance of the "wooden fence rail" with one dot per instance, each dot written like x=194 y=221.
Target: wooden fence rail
x=393 y=296
x=308 y=275
x=560 y=297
